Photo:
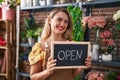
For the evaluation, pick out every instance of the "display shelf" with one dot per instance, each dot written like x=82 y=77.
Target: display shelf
x=3 y=47
x=24 y=74
x=109 y=63
x=3 y=75
x=101 y=3
x=26 y=45
x=47 y=6
x=7 y=32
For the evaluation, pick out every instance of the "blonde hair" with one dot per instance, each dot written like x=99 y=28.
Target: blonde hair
x=47 y=29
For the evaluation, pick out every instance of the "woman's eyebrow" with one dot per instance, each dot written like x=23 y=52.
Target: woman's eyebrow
x=62 y=18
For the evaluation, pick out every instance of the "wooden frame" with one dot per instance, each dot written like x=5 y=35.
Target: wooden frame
x=69 y=54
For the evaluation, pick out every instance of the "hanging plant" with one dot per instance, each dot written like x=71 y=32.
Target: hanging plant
x=78 y=31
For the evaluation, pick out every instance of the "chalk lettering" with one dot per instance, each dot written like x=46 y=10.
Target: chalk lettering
x=70 y=54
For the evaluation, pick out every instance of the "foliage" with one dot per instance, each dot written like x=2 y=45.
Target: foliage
x=78 y=78
x=116 y=17
x=1 y=1
x=23 y=34
x=30 y=27
x=111 y=76
x=38 y=32
x=78 y=31
x=11 y=4
x=30 y=33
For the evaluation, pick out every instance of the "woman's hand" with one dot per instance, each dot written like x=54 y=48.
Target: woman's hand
x=51 y=65
x=88 y=61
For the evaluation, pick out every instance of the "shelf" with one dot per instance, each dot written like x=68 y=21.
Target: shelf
x=3 y=47
x=109 y=63
x=48 y=6
x=26 y=45
x=24 y=74
x=101 y=3
x=2 y=74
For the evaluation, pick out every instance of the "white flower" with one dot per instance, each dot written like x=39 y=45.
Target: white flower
x=118 y=12
x=115 y=17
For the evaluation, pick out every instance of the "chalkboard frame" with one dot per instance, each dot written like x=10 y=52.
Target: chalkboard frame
x=53 y=43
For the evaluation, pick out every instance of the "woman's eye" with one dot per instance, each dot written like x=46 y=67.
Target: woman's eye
x=59 y=19
x=66 y=21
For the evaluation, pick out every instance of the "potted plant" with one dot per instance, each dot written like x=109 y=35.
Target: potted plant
x=30 y=28
x=38 y=33
x=8 y=9
x=31 y=37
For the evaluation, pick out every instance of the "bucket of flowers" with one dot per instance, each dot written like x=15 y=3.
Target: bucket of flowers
x=8 y=9
x=107 y=45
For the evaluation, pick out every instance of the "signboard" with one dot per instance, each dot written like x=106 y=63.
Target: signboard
x=70 y=54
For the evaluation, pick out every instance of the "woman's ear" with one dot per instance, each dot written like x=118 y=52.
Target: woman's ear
x=49 y=19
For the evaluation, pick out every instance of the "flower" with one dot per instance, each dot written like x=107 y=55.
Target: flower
x=107 y=42
x=95 y=75
x=95 y=22
x=11 y=4
x=116 y=17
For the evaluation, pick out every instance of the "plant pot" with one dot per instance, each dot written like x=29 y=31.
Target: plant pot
x=107 y=57
x=39 y=38
x=31 y=40
x=8 y=14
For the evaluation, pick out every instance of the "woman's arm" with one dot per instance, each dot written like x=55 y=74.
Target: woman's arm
x=36 y=72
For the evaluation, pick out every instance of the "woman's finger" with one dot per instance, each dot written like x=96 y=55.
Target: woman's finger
x=49 y=59
x=51 y=62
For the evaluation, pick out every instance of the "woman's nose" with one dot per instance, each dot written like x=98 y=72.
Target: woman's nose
x=62 y=23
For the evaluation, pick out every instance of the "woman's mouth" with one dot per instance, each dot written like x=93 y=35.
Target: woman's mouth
x=60 y=27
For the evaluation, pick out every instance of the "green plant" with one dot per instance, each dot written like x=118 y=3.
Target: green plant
x=78 y=31
x=23 y=34
x=111 y=76
x=30 y=27
x=30 y=33
x=38 y=32
x=1 y=1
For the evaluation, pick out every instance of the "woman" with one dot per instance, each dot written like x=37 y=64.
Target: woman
x=58 y=27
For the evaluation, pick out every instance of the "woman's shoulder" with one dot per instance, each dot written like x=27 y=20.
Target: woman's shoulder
x=37 y=53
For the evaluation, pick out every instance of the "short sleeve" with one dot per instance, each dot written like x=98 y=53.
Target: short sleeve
x=36 y=54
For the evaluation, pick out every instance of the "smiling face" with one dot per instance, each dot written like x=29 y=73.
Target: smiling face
x=59 y=23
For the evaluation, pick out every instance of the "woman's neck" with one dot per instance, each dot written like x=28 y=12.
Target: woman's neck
x=56 y=38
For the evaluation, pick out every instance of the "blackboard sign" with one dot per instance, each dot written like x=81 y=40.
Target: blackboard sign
x=70 y=54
